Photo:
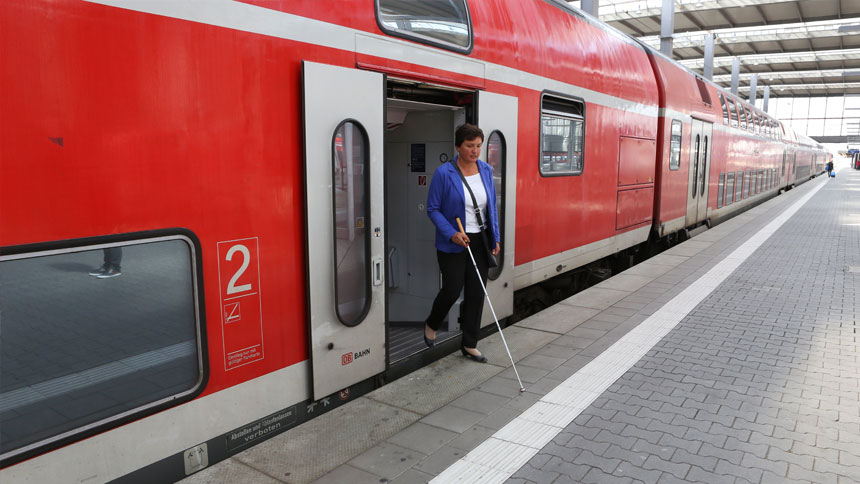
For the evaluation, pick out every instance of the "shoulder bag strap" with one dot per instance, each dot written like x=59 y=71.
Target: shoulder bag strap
x=474 y=202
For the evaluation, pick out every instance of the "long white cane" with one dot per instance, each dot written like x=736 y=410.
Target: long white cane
x=475 y=265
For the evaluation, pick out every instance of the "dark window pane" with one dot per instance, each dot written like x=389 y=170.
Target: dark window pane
x=81 y=346
x=496 y=158
x=675 y=145
x=352 y=264
x=444 y=22
x=562 y=136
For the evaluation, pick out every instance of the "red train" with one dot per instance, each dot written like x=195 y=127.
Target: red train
x=251 y=178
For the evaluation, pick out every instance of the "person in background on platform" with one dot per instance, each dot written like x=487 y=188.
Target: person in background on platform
x=447 y=200
x=829 y=168
x=112 y=263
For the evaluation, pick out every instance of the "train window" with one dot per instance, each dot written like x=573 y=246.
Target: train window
x=784 y=161
x=732 y=113
x=739 y=185
x=695 y=165
x=750 y=121
x=756 y=120
x=562 y=136
x=721 y=190
x=443 y=24
x=725 y=109
x=704 y=165
x=350 y=181
x=743 y=117
x=496 y=156
x=84 y=349
x=730 y=188
x=675 y=145
x=747 y=180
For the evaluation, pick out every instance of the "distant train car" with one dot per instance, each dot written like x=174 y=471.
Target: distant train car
x=213 y=213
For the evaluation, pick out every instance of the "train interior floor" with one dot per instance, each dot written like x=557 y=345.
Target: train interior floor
x=732 y=357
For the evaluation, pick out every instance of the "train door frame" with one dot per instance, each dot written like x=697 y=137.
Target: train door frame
x=497 y=115
x=342 y=352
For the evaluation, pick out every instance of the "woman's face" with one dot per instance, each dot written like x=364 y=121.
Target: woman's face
x=470 y=150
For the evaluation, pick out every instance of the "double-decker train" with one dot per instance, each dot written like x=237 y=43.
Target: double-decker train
x=212 y=214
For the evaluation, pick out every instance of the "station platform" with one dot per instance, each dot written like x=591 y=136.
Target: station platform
x=732 y=357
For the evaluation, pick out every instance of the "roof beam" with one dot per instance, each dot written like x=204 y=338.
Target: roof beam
x=625 y=9
x=771 y=33
x=777 y=58
x=778 y=75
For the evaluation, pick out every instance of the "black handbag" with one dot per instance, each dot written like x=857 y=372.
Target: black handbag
x=486 y=229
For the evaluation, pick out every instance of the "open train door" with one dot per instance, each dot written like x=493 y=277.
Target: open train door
x=700 y=166
x=497 y=117
x=343 y=121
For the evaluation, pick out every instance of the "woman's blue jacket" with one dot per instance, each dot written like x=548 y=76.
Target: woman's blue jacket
x=447 y=200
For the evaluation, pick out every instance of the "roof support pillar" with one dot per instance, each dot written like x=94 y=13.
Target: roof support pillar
x=667 y=27
x=765 y=98
x=736 y=72
x=590 y=6
x=709 y=56
x=753 y=82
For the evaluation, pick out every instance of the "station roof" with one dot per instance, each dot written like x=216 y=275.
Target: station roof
x=799 y=48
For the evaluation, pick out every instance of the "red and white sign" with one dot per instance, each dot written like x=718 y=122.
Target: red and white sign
x=346 y=359
x=241 y=306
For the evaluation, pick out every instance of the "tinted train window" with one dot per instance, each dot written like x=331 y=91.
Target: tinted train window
x=695 y=166
x=732 y=113
x=496 y=155
x=720 y=190
x=92 y=335
x=730 y=188
x=743 y=117
x=351 y=236
x=725 y=109
x=675 y=145
x=739 y=185
x=562 y=136
x=747 y=180
x=443 y=23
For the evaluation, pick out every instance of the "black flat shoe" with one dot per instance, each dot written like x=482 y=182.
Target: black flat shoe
x=429 y=342
x=478 y=358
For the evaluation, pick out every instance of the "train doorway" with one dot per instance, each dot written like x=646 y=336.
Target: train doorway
x=420 y=123
x=700 y=166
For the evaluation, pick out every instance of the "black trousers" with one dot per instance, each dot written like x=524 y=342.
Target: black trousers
x=458 y=274
x=113 y=256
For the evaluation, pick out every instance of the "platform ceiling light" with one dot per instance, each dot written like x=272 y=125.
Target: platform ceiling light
x=849 y=28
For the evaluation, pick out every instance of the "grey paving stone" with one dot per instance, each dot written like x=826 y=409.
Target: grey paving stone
x=412 y=476
x=538 y=476
x=345 y=473
x=472 y=437
x=422 y=437
x=597 y=476
x=499 y=418
x=387 y=460
x=453 y=418
x=678 y=470
x=440 y=460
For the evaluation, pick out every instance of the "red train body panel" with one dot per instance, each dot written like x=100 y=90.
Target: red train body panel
x=132 y=124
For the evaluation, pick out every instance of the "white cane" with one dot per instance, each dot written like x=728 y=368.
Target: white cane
x=475 y=265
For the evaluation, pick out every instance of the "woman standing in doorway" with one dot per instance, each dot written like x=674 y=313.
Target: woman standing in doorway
x=448 y=200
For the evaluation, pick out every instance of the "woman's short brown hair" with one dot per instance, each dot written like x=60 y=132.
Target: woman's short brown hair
x=466 y=132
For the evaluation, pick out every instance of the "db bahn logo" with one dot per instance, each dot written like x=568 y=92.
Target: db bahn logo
x=347 y=358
